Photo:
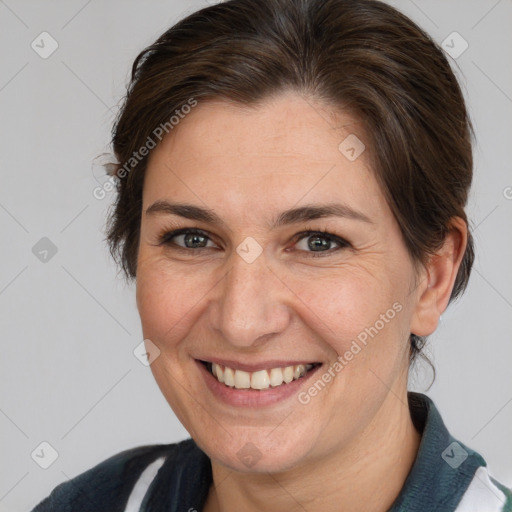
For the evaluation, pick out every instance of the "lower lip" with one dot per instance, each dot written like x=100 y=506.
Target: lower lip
x=253 y=397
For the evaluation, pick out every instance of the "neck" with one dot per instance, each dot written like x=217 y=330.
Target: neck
x=367 y=476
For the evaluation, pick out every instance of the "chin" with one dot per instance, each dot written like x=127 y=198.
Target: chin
x=252 y=450
x=250 y=459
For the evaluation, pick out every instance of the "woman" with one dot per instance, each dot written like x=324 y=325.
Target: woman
x=291 y=185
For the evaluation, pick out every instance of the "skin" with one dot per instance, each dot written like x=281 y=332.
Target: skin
x=351 y=447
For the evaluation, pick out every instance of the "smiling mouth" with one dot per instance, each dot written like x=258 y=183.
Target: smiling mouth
x=259 y=380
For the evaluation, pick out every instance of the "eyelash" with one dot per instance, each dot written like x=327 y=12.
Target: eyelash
x=165 y=237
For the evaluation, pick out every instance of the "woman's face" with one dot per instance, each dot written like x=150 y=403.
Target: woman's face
x=252 y=290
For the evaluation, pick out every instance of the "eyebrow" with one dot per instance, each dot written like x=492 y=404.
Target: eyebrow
x=292 y=216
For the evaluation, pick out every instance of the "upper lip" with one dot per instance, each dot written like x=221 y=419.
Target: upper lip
x=254 y=367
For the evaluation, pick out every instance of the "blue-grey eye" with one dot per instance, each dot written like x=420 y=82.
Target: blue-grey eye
x=187 y=239
x=193 y=240
x=317 y=242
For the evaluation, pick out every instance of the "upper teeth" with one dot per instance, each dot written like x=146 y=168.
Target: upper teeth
x=261 y=379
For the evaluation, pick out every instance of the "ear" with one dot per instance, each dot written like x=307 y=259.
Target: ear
x=436 y=285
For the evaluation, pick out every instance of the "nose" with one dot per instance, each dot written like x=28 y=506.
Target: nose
x=251 y=304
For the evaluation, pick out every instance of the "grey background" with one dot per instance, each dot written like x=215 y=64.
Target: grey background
x=69 y=325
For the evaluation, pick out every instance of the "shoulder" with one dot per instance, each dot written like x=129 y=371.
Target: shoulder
x=108 y=485
x=447 y=475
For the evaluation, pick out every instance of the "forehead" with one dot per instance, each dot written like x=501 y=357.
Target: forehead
x=283 y=151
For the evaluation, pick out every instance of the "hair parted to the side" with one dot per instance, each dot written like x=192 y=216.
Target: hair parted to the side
x=362 y=56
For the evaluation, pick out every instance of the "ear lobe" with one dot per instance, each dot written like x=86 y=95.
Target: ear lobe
x=435 y=290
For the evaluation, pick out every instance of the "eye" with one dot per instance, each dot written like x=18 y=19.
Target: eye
x=318 y=243
x=186 y=238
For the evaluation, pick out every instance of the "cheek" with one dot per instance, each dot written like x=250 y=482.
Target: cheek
x=363 y=317
x=351 y=304
x=168 y=305
x=167 y=302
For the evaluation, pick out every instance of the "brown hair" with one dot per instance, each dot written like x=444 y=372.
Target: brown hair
x=359 y=55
